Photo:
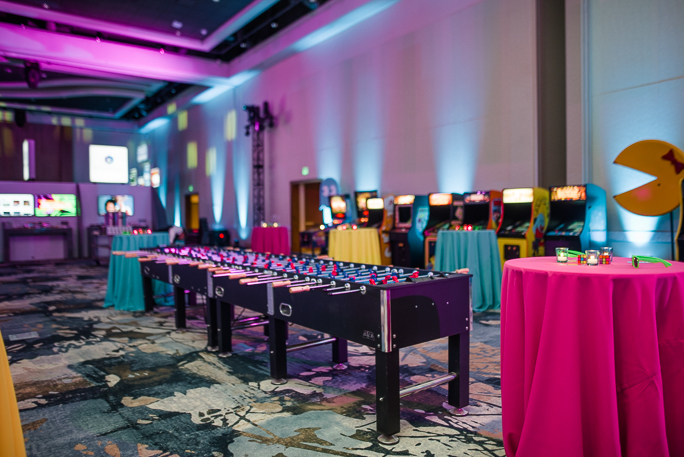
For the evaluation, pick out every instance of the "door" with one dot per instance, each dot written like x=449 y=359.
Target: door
x=305 y=213
x=192 y=212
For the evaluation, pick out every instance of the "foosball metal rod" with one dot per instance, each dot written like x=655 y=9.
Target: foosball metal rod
x=412 y=389
x=310 y=344
x=250 y=325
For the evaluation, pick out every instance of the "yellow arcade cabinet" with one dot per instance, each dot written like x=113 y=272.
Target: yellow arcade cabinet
x=523 y=223
x=680 y=232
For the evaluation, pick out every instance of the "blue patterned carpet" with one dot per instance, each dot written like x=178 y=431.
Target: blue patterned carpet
x=99 y=382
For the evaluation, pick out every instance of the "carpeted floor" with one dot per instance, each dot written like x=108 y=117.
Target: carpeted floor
x=100 y=382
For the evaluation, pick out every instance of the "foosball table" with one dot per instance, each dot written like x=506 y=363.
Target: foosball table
x=377 y=306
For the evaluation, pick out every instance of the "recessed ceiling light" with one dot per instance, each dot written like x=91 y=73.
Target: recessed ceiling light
x=216 y=1
x=274 y=25
x=177 y=24
x=177 y=32
x=203 y=31
x=161 y=50
x=45 y=5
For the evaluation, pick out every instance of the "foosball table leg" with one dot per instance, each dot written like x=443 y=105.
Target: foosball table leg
x=339 y=354
x=224 y=331
x=277 y=343
x=387 y=395
x=212 y=330
x=148 y=294
x=179 y=301
x=459 y=360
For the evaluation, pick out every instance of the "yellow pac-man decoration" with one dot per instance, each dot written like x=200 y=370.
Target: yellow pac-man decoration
x=662 y=160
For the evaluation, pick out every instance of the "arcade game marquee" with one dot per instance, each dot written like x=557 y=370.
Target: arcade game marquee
x=525 y=215
x=577 y=218
x=406 y=239
x=446 y=211
x=481 y=210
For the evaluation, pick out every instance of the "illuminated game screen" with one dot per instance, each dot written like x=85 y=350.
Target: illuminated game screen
x=338 y=205
x=56 y=205
x=440 y=199
x=361 y=198
x=16 y=205
x=114 y=204
x=108 y=164
x=565 y=193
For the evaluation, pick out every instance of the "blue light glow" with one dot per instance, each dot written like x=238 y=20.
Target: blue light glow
x=177 y=204
x=241 y=183
x=369 y=145
x=218 y=182
x=217 y=90
x=456 y=152
x=153 y=124
x=340 y=25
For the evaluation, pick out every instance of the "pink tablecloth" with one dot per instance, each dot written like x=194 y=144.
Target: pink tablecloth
x=592 y=359
x=271 y=239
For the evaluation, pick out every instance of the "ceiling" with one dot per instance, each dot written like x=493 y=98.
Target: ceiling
x=202 y=32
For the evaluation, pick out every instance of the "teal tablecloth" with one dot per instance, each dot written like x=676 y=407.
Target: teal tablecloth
x=479 y=251
x=124 y=287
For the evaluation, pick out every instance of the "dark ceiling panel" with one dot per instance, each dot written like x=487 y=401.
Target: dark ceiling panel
x=95 y=104
x=156 y=15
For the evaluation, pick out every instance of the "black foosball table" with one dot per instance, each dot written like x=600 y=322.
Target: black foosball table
x=381 y=307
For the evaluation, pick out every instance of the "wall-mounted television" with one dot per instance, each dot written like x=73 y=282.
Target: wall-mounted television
x=115 y=204
x=56 y=205
x=13 y=205
x=108 y=164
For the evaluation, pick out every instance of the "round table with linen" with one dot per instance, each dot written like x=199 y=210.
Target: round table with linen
x=592 y=359
x=361 y=245
x=124 y=284
x=274 y=240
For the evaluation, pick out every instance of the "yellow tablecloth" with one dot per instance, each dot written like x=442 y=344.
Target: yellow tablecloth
x=11 y=436
x=361 y=245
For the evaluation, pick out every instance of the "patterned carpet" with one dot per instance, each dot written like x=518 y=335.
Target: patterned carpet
x=100 y=382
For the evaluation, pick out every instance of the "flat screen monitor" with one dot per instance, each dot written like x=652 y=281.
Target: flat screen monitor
x=115 y=204
x=13 y=205
x=108 y=164
x=56 y=205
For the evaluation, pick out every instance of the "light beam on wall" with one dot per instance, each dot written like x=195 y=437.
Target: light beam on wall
x=192 y=155
x=230 y=125
x=177 y=204
x=153 y=124
x=232 y=82
x=338 y=26
x=218 y=183
x=456 y=151
x=241 y=182
x=368 y=128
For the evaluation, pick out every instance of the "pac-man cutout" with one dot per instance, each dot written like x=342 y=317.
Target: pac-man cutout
x=662 y=160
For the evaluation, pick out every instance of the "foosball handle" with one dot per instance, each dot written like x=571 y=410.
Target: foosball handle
x=463 y=271
x=247 y=280
x=296 y=290
x=281 y=283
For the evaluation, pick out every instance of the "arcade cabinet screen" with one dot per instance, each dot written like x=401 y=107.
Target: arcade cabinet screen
x=56 y=205
x=404 y=199
x=114 y=204
x=361 y=198
x=338 y=206
x=404 y=214
x=16 y=205
x=568 y=193
x=108 y=164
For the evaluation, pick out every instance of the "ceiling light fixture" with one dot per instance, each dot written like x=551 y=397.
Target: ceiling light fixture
x=203 y=32
x=274 y=25
x=177 y=24
x=45 y=5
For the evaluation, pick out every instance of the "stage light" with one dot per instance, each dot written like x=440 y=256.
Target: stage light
x=275 y=224
x=322 y=227
x=32 y=74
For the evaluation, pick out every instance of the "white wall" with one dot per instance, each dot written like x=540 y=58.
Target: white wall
x=635 y=92
x=413 y=100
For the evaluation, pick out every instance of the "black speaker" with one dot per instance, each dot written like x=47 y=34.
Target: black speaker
x=20 y=117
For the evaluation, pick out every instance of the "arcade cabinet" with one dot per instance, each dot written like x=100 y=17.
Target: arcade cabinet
x=385 y=228
x=406 y=239
x=482 y=210
x=375 y=212
x=525 y=215
x=446 y=211
x=679 y=246
x=577 y=218
x=360 y=198
x=338 y=207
